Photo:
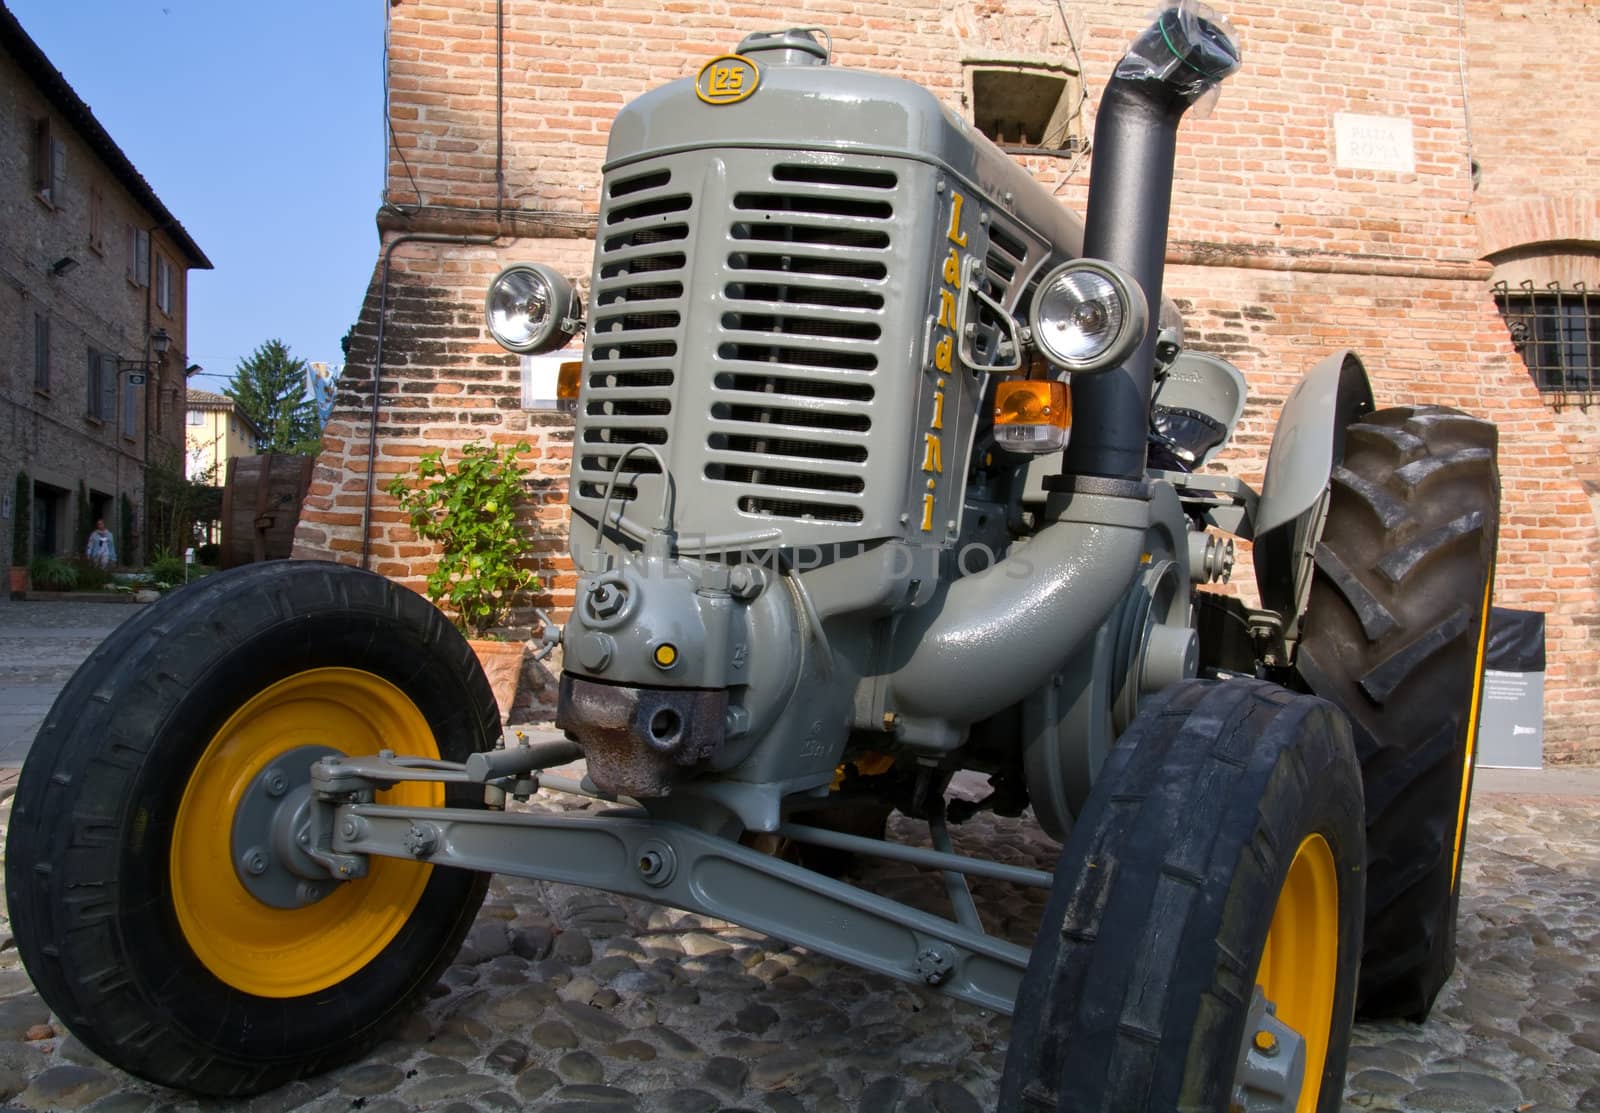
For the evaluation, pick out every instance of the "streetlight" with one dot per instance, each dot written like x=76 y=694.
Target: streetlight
x=136 y=370
x=159 y=343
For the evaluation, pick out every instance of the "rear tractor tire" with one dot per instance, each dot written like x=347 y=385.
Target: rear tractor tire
x=169 y=949
x=1394 y=636
x=1199 y=948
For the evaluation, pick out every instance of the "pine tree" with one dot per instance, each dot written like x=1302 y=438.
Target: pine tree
x=270 y=387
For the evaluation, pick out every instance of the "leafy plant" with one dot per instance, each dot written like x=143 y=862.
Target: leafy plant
x=167 y=568
x=471 y=511
x=90 y=578
x=22 y=519
x=53 y=574
x=176 y=504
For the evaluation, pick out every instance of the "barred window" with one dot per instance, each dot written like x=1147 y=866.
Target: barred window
x=1028 y=109
x=1557 y=331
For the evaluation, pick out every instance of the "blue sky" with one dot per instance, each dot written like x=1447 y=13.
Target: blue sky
x=261 y=127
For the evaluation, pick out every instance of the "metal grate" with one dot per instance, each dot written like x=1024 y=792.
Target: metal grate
x=635 y=330
x=1557 y=331
x=1006 y=256
x=792 y=392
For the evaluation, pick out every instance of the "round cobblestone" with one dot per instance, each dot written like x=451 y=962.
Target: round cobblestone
x=564 y=998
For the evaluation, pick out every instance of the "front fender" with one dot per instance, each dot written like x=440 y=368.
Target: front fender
x=1307 y=444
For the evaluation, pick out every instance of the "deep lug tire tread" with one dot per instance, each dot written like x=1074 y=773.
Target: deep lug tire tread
x=1138 y=986
x=78 y=873
x=1391 y=636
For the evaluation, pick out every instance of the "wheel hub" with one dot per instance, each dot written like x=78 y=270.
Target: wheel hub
x=1272 y=1063
x=273 y=841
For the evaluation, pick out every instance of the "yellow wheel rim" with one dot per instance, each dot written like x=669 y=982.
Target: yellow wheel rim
x=1472 y=730
x=1300 y=964
x=276 y=952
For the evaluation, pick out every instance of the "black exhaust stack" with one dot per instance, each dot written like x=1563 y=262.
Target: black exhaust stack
x=1180 y=60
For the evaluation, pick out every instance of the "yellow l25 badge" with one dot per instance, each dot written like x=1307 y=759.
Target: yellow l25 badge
x=726 y=79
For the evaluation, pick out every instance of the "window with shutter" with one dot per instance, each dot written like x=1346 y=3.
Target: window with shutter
x=41 y=352
x=97 y=220
x=163 y=284
x=102 y=392
x=138 y=256
x=58 y=171
x=108 y=387
x=41 y=171
x=130 y=410
x=91 y=404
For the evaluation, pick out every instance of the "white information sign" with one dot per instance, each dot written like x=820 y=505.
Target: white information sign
x=1373 y=143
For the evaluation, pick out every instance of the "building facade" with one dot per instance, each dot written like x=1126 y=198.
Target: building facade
x=93 y=316
x=1385 y=177
x=215 y=431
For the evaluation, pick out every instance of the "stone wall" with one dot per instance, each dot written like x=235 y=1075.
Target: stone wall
x=1279 y=253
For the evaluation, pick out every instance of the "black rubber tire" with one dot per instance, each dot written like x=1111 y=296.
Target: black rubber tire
x=1393 y=635
x=1139 y=986
x=87 y=852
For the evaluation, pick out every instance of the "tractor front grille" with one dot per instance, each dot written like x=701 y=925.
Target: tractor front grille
x=635 y=329
x=793 y=385
x=741 y=314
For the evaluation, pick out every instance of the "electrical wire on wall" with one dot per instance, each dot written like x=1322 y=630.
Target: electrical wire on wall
x=422 y=237
x=1466 y=109
x=391 y=142
x=1078 y=114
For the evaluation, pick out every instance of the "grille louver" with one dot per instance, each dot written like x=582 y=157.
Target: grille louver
x=635 y=331
x=791 y=398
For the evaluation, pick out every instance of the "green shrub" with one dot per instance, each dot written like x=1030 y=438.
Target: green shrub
x=471 y=511
x=90 y=578
x=167 y=568
x=53 y=574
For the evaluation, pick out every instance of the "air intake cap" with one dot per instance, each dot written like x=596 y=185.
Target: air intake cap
x=794 y=47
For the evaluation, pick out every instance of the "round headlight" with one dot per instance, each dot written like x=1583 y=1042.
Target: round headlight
x=531 y=308
x=1088 y=316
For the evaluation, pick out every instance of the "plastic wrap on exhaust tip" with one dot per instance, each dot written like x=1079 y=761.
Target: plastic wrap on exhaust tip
x=1189 y=47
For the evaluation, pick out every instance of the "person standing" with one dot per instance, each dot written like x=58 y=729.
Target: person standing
x=102 y=549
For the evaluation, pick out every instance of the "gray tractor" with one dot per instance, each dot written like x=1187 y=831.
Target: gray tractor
x=885 y=468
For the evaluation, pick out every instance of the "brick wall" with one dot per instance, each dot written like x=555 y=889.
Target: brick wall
x=1278 y=254
x=94 y=305
x=1538 y=206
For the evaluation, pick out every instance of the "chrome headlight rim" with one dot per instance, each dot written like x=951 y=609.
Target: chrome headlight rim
x=509 y=315
x=1129 y=329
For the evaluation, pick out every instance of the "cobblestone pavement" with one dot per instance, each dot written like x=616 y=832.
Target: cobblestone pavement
x=567 y=1000
x=41 y=645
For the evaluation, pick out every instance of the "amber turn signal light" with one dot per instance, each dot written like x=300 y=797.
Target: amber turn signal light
x=1032 y=415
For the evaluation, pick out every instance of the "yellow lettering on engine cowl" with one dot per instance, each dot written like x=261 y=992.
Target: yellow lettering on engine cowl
x=957 y=236
x=943 y=358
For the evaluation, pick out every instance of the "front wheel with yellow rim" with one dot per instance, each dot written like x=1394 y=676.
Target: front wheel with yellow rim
x=171 y=780
x=1200 y=947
